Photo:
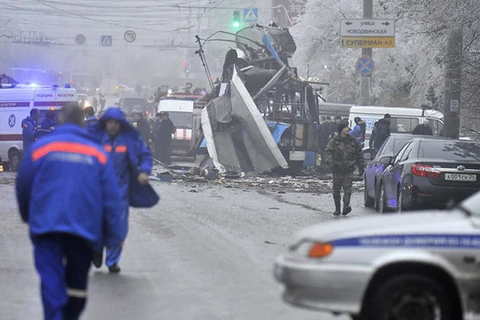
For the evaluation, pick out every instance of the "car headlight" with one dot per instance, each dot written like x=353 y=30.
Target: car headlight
x=312 y=249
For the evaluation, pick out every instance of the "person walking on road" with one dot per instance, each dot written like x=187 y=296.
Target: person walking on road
x=67 y=223
x=91 y=120
x=382 y=131
x=29 y=129
x=47 y=126
x=163 y=131
x=132 y=162
x=343 y=154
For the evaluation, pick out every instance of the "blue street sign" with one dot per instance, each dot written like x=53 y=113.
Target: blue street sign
x=250 y=15
x=106 y=41
x=365 y=66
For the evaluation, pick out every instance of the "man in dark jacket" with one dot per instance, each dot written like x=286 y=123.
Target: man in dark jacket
x=343 y=153
x=132 y=162
x=47 y=125
x=91 y=120
x=163 y=131
x=67 y=223
x=29 y=129
x=142 y=125
x=423 y=129
x=382 y=131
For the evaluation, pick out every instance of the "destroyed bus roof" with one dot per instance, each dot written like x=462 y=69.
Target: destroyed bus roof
x=181 y=96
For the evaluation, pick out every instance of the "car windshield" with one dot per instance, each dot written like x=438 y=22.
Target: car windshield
x=450 y=150
x=181 y=119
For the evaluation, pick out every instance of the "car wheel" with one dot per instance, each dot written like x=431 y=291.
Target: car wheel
x=367 y=200
x=382 y=203
x=13 y=160
x=411 y=297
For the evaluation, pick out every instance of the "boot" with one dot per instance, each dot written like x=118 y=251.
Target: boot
x=346 y=209
x=337 y=206
x=97 y=259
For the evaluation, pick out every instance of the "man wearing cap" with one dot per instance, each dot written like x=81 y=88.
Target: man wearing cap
x=343 y=153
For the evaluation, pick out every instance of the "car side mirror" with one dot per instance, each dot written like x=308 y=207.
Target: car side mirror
x=367 y=154
x=386 y=160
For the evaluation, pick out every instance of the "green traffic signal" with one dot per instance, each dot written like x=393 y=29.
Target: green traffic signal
x=236 y=19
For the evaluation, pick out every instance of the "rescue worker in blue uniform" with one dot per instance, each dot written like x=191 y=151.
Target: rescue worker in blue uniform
x=67 y=223
x=29 y=129
x=47 y=125
x=132 y=162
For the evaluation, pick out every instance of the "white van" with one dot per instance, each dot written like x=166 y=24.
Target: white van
x=15 y=105
x=180 y=107
x=403 y=120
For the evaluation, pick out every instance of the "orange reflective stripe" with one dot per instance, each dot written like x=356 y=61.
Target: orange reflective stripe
x=70 y=147
x=107 y=148
x=120 y=149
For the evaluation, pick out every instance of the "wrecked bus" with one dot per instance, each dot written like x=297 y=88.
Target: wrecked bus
x=261 y=116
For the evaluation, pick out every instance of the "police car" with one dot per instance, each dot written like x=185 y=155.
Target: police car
x=416 y=266
x=16 y=101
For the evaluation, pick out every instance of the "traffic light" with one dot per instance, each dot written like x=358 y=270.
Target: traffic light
x=236 y=19
x=186 y=69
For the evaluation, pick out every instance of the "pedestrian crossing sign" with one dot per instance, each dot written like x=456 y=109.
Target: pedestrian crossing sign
x=250 y=15
x=106 y=41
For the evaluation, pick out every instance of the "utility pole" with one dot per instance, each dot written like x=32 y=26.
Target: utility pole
x=365 y=81
x=453 y=80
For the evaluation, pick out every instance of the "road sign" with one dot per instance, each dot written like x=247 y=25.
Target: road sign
x=367 y=28
x=106 y=41
x=80 y=39
x=365 y=66
x=368 y=42
x=130 y=36
x=250 y=15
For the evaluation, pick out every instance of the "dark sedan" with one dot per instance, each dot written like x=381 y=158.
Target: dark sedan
x=430 y=172
x=380 y=161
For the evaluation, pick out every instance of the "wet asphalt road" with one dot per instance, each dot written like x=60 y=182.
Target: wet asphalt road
x=197 y=255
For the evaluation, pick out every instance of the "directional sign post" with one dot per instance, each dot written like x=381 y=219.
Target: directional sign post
x=130 y=36
x=106 y=41
x=250 y=15
x=367 y=33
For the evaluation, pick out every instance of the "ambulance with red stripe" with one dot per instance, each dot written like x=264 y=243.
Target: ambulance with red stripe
x=16 y=101
x=180 y=107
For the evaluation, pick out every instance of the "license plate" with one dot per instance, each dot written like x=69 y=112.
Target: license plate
x=460 y=177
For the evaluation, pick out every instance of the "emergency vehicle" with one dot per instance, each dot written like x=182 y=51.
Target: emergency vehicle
x=182 y=111
x=16 y=101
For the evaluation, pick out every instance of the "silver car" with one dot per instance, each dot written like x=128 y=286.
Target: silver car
x=416 y=266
